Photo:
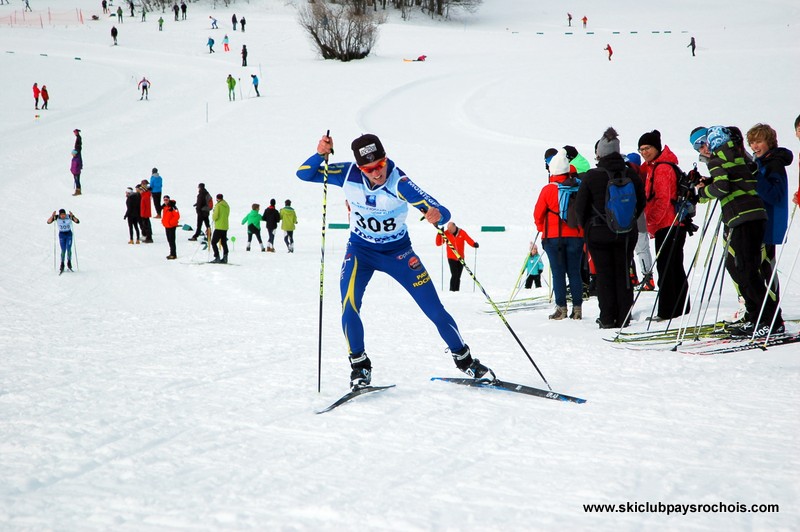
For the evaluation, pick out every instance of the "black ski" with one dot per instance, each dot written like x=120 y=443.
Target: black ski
x=774 y=341
x=510 y=387
x=355 y=393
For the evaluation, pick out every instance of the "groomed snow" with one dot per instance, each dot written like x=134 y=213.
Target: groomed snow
x=144 y=394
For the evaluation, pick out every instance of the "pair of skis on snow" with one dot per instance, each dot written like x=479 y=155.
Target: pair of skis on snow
x=476 y=383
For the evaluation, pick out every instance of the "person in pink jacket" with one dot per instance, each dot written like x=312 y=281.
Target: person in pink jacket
x=36 y=93
x=661 y=191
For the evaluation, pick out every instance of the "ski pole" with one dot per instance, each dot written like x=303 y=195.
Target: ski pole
x=720 y=268
x=441 y=263
x=521 y=272
x=54 y=247
x=773 y=278
x=322 y=266
x=474 y=268
x=75 y=248
x=494 y=306
x=241 y=97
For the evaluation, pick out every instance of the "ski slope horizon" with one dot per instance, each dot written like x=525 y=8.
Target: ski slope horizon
x=139 y=393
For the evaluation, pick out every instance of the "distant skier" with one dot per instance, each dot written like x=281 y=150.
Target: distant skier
x=225 y=44
x=210 y=44
x=28 y=6
x=45 y=96
x=584 y=20
x=569 y=19
x=213 y=23
x=288 y=224
x=231 y=85
x=244 y=55
x=64 y=224
x=36 y=93
x=183 y=10
x=271 y=218
x=253 y=221
x=114 y=33
x=692 y=44
x=144 y=86
x=75 y=168
x=176 y=10
x=234 y=21
x=242 y=22
x=160 y=23
x=609 y=50
x=119 y=14
x=255 y=84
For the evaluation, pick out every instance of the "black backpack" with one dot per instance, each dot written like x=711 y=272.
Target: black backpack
x=684 y=209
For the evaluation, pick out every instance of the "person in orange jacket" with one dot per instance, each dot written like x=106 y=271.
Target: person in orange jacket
x=457 y=237
x=170 y=217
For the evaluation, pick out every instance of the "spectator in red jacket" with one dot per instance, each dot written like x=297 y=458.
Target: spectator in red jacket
x=457 y=238
x=145 y=212
x=562 y=243
x=661 y=192
x=36 y=93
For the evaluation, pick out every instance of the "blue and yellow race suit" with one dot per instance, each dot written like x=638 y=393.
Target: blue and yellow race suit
x=379 y=241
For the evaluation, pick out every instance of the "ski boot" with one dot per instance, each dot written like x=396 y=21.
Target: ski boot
x=69 y=265
x=61 y=270
x=361 y=370
x=224 y=259
x=248 y=247
x=471 y=366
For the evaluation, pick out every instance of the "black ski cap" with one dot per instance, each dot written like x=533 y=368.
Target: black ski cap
x=367 y=149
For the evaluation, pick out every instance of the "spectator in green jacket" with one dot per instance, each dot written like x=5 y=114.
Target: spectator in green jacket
x=253 y=221
x=288 y=223
x=220 y=236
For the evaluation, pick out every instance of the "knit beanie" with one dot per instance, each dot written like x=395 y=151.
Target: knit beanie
x=367 y=149
x=608 y=143
x=559 y=164
x=634 y=158
x=652 y=138
x=548 y=154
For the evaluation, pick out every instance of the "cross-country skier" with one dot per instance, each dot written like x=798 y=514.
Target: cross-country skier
x=379 y=193
x=144 y=86
x=64 y=223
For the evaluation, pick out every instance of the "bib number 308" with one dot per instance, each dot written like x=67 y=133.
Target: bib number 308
x=375 y=225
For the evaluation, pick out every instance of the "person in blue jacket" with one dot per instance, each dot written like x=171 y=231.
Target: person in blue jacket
x=156 y=186
x=534 y=268
x=379 y=193
x=772 y=187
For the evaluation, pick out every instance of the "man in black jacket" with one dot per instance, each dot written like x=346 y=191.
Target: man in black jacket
x=272 y=217
x=203 y=207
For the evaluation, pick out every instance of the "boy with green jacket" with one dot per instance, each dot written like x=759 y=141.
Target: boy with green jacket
x=288 y=223
x=253 y=221
x=220 y=216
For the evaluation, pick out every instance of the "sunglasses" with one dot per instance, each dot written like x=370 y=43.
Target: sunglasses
x=699 y=143
x=369 y=168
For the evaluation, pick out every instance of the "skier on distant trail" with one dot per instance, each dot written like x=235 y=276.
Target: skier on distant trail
x=176 y=10
x=609 y=50
x=692 y=44
x=378 y=193
x=114 y=33
x=119 y=14
x=244 y=55
x=242 y=22
x=210 y=44
x=144 y=85
x=202 y=207
x=225 y=44
x=234 y=21
x=213 y=23
x=569 y=19
x=160 y=23
x=64 y=223
x=584 y=20
x=183 y=10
